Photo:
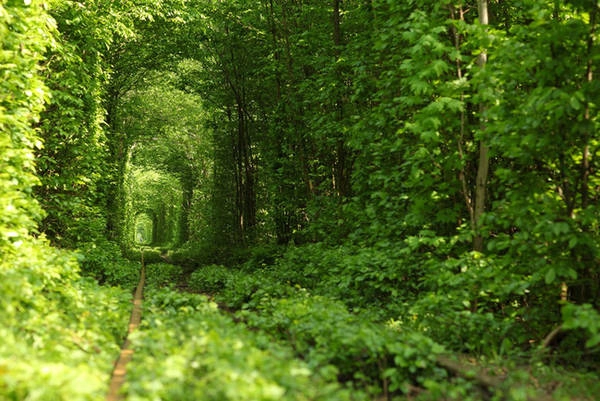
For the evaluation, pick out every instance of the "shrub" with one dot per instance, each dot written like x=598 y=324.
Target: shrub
x=209 y=279
x=323 y=332
x=163 y=275
x=204 y=355
x=102 y=260
x=60 y=333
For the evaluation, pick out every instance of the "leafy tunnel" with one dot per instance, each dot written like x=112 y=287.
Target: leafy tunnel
x=167 y=144
x=328 y=170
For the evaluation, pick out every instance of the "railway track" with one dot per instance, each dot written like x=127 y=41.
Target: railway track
x=120 y=369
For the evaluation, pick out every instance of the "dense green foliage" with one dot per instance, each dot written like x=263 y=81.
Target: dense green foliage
x=384 y=358
x=375 y=174
x=362 y=125
x=59 y=331
x=207 y=356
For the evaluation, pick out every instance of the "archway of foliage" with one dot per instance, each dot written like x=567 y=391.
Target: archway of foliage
x=143 y=228
x=168 y=159
x=74 y=165
x=153 y=205
x=379 y=127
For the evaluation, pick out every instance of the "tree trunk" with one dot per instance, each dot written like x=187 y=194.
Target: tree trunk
x=484 y=158
x=458 y=14
x=342 y=164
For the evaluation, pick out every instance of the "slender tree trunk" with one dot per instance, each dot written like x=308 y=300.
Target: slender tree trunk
x=342 y=163
x=484 y=158
x=186 y=207
x=117 y=156
x=249 y=179
x=282 y=226
x=459 y=14
x=239 y=174
x=589 y=76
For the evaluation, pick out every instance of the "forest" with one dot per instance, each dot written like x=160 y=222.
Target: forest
x=328 y=200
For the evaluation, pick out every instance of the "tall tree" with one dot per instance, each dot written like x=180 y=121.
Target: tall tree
x=484 y=157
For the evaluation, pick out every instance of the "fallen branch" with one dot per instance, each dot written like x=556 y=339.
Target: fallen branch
x=550 y=337
x=485 y=381
x=469 y=372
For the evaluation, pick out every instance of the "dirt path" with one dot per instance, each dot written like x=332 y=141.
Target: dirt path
x=120 y=369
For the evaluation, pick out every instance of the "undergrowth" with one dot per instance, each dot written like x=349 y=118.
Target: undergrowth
x=60 y=332
x=381 y=323
x=381 y=359
x=203 y=354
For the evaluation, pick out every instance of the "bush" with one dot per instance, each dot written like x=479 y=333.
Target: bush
x=375 y=278
x=163 y=275
x=60 y=333
x=209 y=279
x=151 y=255
x=323 y=332
x=204 y=355
x=235 y=288
x=102 y=260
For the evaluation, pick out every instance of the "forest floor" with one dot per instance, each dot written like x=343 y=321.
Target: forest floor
x=183 y=337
